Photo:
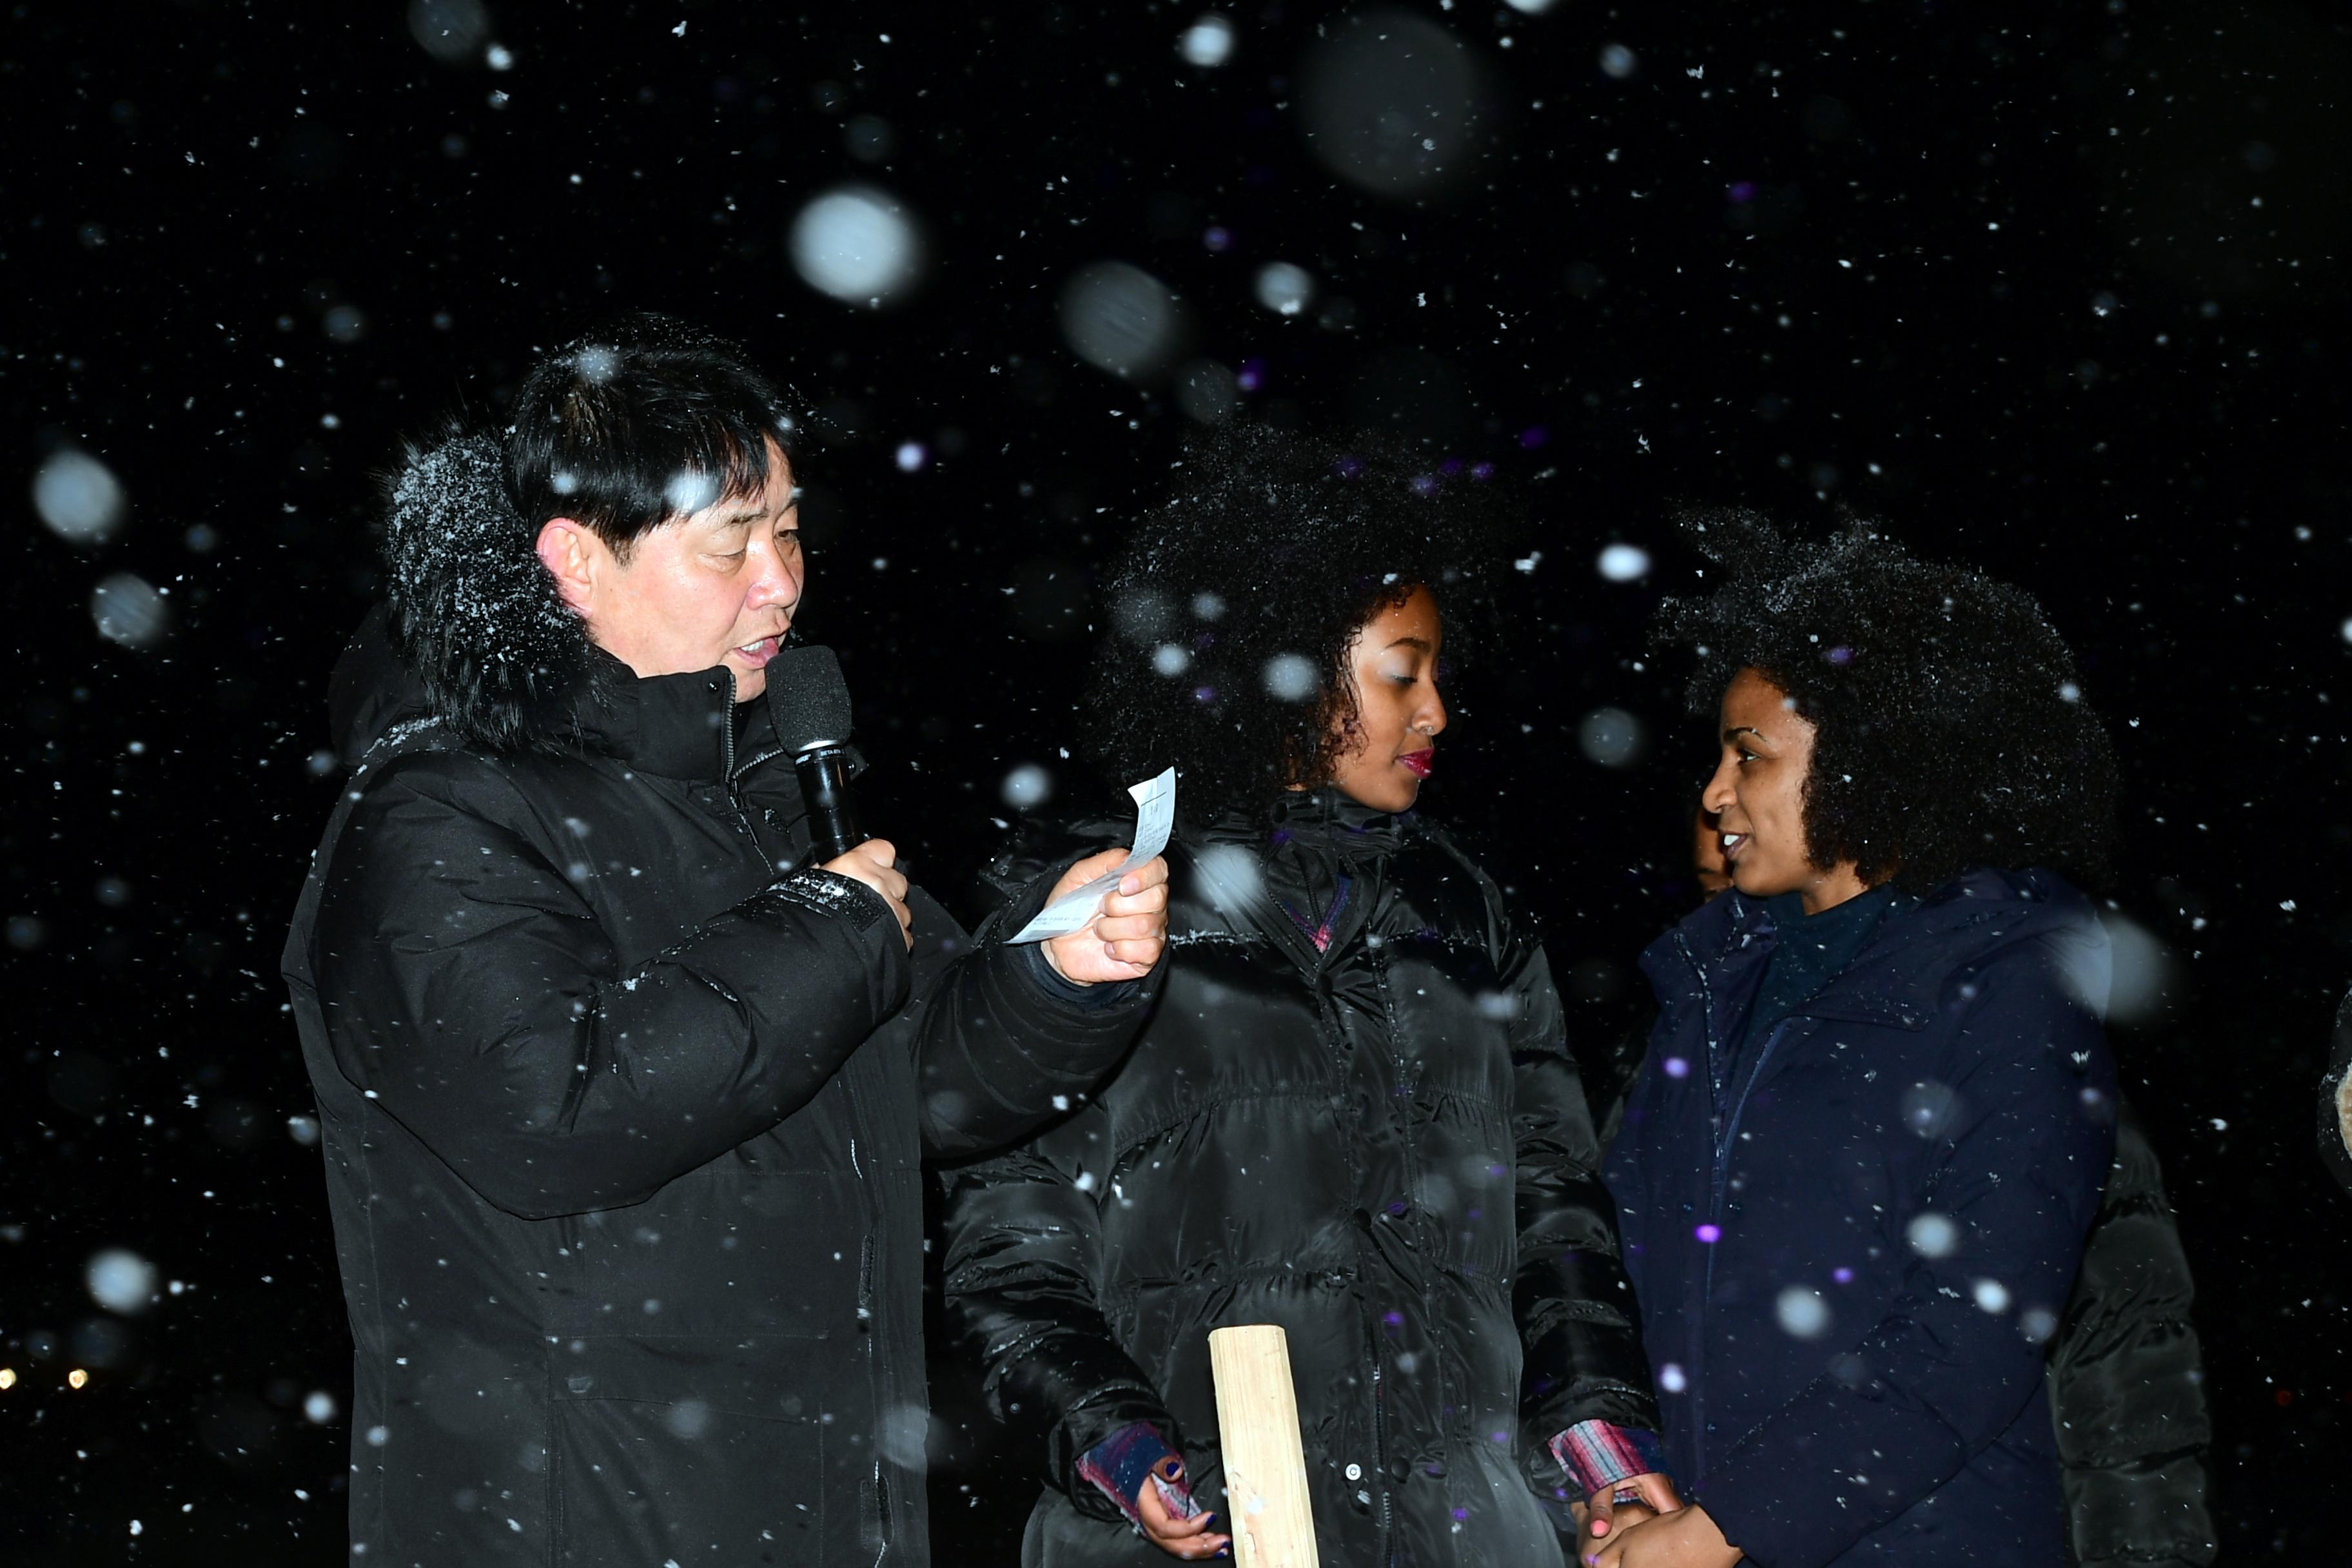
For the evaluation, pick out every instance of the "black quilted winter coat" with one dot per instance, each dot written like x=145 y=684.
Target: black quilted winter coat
x=2126 y=1381
x=1382 y=1147
x=623 y=1131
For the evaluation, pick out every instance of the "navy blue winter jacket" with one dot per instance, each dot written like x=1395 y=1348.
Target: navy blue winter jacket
x=1849 y=1249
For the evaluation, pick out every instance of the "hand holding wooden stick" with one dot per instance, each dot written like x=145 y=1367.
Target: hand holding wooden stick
x=1267 y=1507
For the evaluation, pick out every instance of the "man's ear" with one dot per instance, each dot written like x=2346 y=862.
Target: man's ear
x=572 y=555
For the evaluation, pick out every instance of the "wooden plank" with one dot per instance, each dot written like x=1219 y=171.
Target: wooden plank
x=1266 y=1508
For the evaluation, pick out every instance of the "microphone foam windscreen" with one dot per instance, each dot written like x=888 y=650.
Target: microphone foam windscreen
x=807 y=698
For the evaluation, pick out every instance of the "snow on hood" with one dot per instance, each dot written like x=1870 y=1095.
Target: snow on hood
x=471 y=611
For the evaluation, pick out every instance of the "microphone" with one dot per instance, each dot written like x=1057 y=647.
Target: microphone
x=810 y=707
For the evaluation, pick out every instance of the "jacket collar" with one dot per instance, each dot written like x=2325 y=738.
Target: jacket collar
x=1296 y=849
x=672 y=726
x=1898 y=979
x=1324 y=818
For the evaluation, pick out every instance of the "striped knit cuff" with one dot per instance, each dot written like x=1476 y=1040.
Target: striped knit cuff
x=1597 y=1455
x=1130 y=1459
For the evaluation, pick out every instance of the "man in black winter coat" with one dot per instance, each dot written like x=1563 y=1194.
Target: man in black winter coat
x=624 y=1100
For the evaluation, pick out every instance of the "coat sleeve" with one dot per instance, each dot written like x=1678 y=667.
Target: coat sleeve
x=469 y=990
x=1575 y=1310
x=1023 y=1275
x=2126 y=1381
x=1003 y=1044
x=1951 y=1365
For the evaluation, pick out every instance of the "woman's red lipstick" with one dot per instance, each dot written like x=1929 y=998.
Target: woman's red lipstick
x=1419 y=764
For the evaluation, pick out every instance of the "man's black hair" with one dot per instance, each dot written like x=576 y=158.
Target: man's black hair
x=642 y=420
x=1233 y=604
x=625 y=427
x=1951 y=727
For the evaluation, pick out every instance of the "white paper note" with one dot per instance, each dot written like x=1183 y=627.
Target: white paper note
x=1155 y=805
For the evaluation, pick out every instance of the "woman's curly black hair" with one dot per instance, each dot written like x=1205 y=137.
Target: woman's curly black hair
x=1233 y=605
x=1951 y=730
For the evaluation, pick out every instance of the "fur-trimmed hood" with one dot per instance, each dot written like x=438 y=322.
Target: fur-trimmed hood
x=471 y=611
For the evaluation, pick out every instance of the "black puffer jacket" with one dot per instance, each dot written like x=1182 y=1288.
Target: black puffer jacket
x=622 y=1129
x=2126 y=1381
x=1384 y=1147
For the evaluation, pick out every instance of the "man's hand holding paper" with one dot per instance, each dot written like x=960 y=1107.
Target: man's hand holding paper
x=1107 y=919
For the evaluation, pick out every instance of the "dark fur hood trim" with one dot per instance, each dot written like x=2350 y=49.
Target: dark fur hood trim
x=473 y=612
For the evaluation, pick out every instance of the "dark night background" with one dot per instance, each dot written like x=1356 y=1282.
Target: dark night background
x=2062 y=294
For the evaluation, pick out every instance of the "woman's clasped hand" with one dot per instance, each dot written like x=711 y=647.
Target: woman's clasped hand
x=1686 y=1538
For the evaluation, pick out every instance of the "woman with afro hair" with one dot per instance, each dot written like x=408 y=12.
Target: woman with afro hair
x=1353 y=1113
x=1878 y=1108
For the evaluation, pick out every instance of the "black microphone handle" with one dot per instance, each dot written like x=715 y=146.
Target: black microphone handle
x=832 y=813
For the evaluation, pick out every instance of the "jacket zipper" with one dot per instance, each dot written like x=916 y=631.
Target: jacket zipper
x=1723 y=1148
x=1719 y=1172
x=734 y=777
x=1707 y=1020
x=1695 y=1344
x=868 y=1321
x=729 y=772
x=751 y=763
x=1395 y=1033
x=876 y=1325
x=1335 y=1035
x=727 y=759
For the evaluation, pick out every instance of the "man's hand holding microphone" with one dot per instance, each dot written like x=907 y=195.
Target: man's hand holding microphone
x=874 y=863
